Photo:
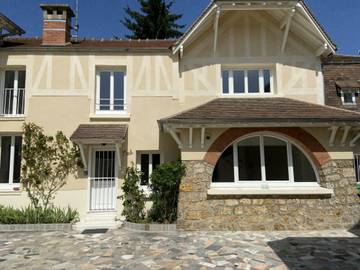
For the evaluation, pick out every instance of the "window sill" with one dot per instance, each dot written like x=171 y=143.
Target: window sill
x=12 y=117
x=271 y=191
x=121 y=116
x=10 y=190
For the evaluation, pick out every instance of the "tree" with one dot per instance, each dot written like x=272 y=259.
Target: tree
x=47 y=161
x=155 y=21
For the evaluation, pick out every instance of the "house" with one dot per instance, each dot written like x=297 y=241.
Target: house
x=239 y=98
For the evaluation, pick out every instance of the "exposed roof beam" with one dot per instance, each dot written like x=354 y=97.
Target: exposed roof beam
x=175 y=137
x=202 y=137
x=287 y=29
x=83 y=156
x=118 y=154
x=190 y=137
x=345 y=135
x=216 y=28
x=334 y=130
x=354 y=140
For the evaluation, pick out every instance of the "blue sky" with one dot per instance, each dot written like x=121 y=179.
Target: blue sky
x=101 y=18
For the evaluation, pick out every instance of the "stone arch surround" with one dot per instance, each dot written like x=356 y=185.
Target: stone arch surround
x=199 y=211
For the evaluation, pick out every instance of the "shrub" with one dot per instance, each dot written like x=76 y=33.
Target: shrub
x=133 y=197
x=32 y=215
x=165 y=181
x=47 y=161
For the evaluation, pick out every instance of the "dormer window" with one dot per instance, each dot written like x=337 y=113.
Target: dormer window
x=348 y=98
x=246 y=81
x=348 y=90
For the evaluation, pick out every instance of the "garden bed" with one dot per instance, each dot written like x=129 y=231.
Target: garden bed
x=146 y=227
x=63 y=227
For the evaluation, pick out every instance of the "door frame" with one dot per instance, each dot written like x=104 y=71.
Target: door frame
x=91 y=153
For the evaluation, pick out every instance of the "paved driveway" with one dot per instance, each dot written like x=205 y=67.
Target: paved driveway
x=121 y=249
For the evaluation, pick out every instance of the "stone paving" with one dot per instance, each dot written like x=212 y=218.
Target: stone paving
x=120 y=249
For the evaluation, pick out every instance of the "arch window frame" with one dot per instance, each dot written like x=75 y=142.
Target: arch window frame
x=264 y=183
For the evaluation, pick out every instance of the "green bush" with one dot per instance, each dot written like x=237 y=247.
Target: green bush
x=32 y=215
x=133 y=197
x=165 y=181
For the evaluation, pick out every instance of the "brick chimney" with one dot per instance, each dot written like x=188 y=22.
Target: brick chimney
x=57 y=24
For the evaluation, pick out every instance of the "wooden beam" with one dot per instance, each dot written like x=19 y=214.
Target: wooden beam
x=202 y=137
x=118 y=154
x=175 y=137
x=287 y=29
x=216 y=28
x=354 y=140
x=190 y=137
x=333 y=135
x=345 y=135
x=83 y=156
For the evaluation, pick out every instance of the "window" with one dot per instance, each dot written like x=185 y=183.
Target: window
x=264 y=160
x=12 y=95
x=249 y=81
x=348 y=98
x=357 y=167
x=147 y=162
x=10 y=160
x=110 y=91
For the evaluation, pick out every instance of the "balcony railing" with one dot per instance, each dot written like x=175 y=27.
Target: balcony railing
x=107 y=105
x=357 y=167
x=12 y=101
x=102 y=193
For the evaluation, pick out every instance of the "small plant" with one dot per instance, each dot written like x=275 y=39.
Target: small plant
x=32 y=215
x=165 y=181
x=47 y=161
x=133 y=197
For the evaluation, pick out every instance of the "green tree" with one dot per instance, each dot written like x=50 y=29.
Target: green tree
x=47 y=161
x=154 y=21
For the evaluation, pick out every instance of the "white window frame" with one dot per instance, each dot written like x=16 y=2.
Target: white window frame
x=353 y=95
x=357 y=167
x=246 y=84
x=263 y=183
x=150 y=153
x=16 y=91
x=10 y=185
x=97 y=94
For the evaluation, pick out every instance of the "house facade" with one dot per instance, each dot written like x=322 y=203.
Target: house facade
x=239 y=98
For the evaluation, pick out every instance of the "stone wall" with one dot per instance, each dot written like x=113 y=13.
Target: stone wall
x=198 y=211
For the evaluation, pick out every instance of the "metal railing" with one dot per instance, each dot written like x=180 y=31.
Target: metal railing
x=110 y=105
x=357 y=167
x=102 y=193
x=12 y=101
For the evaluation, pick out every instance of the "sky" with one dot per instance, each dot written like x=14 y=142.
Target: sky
x=101 y=18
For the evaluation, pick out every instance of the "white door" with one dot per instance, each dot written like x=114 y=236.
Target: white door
x=103 y=181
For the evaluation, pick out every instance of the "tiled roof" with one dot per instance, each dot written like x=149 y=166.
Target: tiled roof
x=90 y=44
x=101 y=132
x=261 y=110
x=346 y=84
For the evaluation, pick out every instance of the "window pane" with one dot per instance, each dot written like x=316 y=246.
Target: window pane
x=303 y=171
x=348 y=97
x=9 y=79
x=155 y=161
x=105 y=91
x=249 y=160
x=119 y=91
x=225 y=81
x=267 y=84
x=253 y=81
x=5 y=159
x=144 y=169
x=224 y=169
x=17 y=159
x=239 y=81
x=276 y=161
x=21 y=79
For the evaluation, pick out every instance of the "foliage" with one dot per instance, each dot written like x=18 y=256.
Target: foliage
x=133 y=197
x=47 y=161
x=32 y=215
x=165 y=181
x=155 y=21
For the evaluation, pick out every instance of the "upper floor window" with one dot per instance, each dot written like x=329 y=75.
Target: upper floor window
x=12 y=92
x=246 y=81
x=10 y=160
x=348 y=98
x=110 y=91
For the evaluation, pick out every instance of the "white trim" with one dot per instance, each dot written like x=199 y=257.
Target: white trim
x=150 y=168
x=10 y=185
x=353 y=97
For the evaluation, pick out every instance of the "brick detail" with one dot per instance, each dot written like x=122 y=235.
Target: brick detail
x=56 y=33
x=307 y=142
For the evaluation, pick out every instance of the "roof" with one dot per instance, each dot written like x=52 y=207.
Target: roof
x=88 y=44
x=214 y=4
x=11 y=28
x=348 y=84
x=246 y=111
x=100 y=132
x=341 y=59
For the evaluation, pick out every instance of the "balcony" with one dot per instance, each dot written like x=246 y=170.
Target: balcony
x=12 y=102
x=110 y=106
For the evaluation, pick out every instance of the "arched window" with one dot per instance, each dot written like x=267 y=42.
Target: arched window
x=264 y=160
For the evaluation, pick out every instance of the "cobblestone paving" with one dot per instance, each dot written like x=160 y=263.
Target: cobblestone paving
x=120 y=249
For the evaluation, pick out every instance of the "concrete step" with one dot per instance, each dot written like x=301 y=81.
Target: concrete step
x=97 y=220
